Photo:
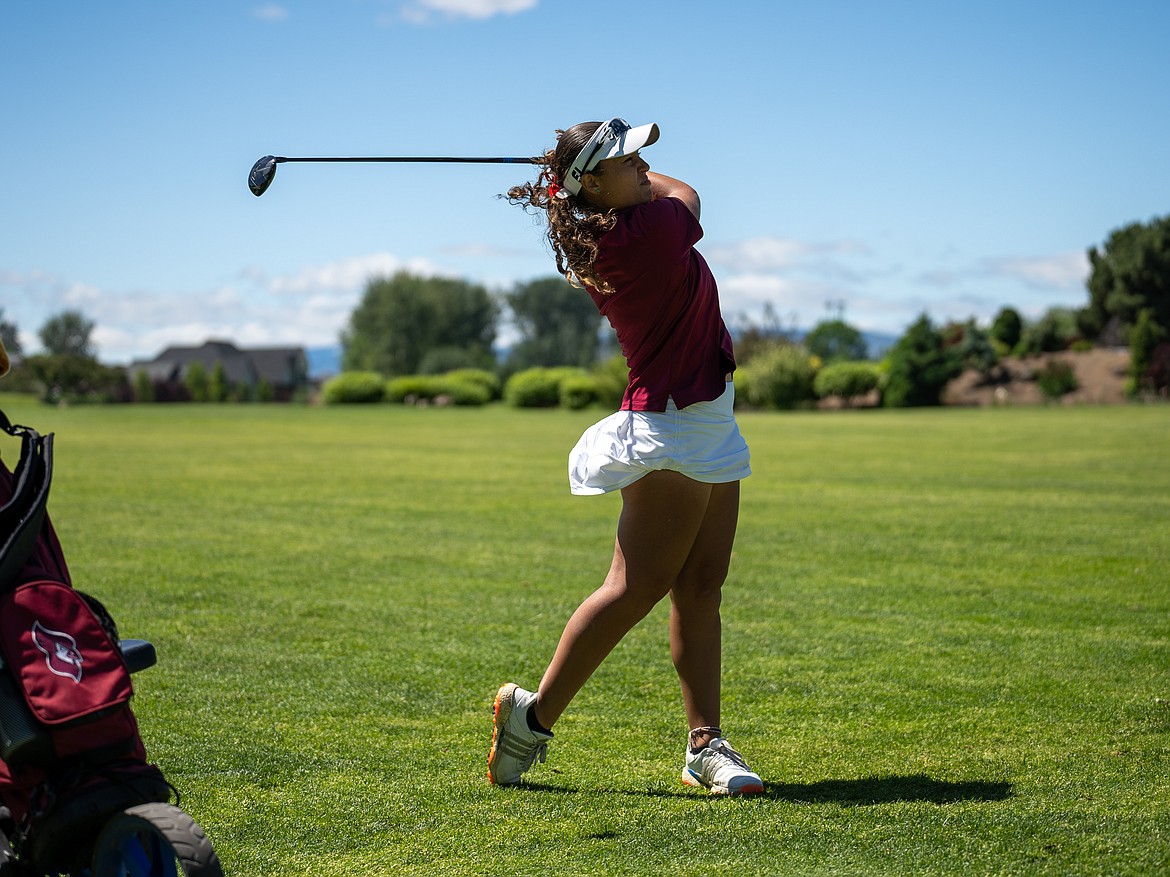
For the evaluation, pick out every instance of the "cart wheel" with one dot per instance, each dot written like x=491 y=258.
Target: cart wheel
x=154 y=840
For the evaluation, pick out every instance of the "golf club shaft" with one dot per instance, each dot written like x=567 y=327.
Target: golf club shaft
x=264 y=170
x=422 y=159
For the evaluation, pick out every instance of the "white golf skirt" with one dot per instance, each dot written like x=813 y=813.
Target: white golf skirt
x=702 y=441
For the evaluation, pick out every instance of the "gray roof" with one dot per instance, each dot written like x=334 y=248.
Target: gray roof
x=280 y=366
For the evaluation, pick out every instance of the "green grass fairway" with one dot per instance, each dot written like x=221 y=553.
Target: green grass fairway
x=947 y=639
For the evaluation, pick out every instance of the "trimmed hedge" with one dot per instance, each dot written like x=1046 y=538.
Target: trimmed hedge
x=780 y=376
x=541 y=387
x=465 y=390
x=846 y=380
x=533 y=388
x=484 y=378
x=578 y=391
x=354 y=387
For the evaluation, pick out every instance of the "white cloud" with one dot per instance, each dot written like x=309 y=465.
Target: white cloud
x=423 y=11
x=782 y=254
x=1062 y=271
x=342 y=276
x=270 y=12
x=1055 y=273
x=308 y=307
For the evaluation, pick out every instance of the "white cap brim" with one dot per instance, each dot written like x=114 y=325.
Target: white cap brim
x=613 y=139
x=631 y=141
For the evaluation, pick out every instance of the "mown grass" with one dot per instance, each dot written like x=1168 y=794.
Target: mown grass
x=947 y=639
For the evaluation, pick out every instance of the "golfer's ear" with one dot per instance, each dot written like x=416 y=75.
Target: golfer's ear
x=590 y=182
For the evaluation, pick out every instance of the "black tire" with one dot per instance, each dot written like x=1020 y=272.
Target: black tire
x=159 y=834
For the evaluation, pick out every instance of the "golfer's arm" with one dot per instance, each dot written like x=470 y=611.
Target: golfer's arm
x=662 y=186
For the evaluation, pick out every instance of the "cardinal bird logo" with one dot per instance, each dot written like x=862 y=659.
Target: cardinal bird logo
x=60 y=649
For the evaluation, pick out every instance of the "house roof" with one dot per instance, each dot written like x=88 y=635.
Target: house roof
x=280 y=366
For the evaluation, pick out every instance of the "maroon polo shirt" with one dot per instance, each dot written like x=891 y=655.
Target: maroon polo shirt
x=664 y=308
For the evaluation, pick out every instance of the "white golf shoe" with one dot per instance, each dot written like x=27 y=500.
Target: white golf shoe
x=721 y=769
x=515 y=747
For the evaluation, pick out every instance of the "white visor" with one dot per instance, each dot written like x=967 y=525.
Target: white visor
x=612 y=139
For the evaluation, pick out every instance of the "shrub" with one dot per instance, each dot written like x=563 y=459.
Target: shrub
x=1159 y=371
x=354 y=387
x=1056 y=379
x=143 y=387
x=780 y=376
x=480 y=376
x=410 y=387
x=1056 y=330
x=461 y=387
x=609 y=379
x=578 y=391
x=743 y=387
x=533 y=388
x=462 y=392
x=847 y=380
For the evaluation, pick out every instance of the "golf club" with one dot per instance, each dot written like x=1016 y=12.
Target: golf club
x=260 y=177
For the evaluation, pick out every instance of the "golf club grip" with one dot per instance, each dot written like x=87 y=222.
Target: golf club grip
x=424 y=159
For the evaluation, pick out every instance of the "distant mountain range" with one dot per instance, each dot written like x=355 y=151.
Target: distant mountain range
x=324 y=362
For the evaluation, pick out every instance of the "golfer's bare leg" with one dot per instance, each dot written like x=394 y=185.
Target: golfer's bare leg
x=695 y=628
x=662 y=514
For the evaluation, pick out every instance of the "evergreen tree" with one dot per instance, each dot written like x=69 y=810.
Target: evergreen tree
x=920 y=367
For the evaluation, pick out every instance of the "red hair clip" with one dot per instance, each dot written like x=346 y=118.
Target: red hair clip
x=554 y=188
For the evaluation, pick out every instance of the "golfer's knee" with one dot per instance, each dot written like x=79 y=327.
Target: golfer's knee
x=701 y=586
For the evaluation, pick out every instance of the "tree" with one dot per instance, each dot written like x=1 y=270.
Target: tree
x=1144 y=339
x=972 y=346
x=73 y=378
x=198 y=382
x=558 y=325
x=68 y=333
x=920 y=367
x=753 y=337
x=1007 y=328
x=1056 y=330
x=143 y=387
x=403 y=318
x=836 y=341
x=1131 y=273
x=219 y=389
x=9 y=335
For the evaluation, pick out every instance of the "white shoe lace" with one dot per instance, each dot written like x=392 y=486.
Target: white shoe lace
x=723 y=750
x=538 y=752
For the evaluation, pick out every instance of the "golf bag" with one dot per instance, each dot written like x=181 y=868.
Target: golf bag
x=70 y=752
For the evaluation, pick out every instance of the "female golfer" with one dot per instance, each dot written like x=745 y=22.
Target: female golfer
x=674 y=451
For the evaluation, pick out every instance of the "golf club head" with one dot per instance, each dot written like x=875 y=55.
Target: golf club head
x=260 y=177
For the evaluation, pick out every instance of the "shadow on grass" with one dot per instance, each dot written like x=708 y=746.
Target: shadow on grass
x=887 y=790
x=864 y=792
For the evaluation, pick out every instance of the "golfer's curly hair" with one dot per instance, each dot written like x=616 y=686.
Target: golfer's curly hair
x=574 y=226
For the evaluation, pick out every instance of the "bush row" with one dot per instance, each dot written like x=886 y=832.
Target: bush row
x=564 y=387
x=460 y=387
x=784 y=376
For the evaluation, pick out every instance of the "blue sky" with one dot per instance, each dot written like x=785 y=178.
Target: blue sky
x=894 y=157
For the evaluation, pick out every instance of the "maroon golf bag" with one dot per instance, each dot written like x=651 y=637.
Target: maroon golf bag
x=70 y=752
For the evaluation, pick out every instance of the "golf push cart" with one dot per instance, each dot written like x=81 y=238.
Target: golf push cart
x=77 y=793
